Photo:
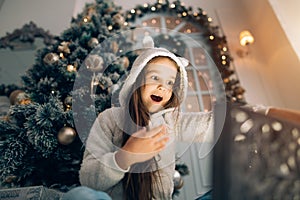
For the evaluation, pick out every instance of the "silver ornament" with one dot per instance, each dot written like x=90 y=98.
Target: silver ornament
x=93 y=42
x=118 y=19
x=51 y=58
x=66 y=135
x=94 y=63
x=177 y=179
x=68 y=102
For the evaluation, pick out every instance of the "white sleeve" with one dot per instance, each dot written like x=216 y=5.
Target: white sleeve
x=195 y=127
x=99 y=169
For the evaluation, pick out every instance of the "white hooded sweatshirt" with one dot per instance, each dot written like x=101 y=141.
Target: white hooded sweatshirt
x=99 y=169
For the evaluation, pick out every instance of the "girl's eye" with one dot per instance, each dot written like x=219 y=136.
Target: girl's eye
x=170 y=82
x=154 y=78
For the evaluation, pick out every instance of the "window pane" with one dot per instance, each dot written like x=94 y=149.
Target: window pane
x=204 y=79
x=192 y=104
x=199 y=56
x=191 y=81
x=206 y=102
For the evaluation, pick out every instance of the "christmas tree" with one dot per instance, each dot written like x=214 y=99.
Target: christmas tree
x=42 y=138
x=39 y=142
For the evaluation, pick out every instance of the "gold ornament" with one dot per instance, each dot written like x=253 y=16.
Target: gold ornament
x=51 y=58
x=94 y=63
x=66 y=135
x=19 y=97
x=178 y=181
x=10 y=179
x=124 y=62
x=114 y=46
x=118 y=20
x=64 y=47
x=68 y=102
x=93 y=42
x=71 y=68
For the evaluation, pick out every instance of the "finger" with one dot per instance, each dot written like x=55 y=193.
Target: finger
x=160 y=146
x=163 y=140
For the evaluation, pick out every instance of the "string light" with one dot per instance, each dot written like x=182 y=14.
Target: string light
x=132 y=11
x=110 y=27
x=172 y=5
x=211 y=37
x=188 y=30
x=85 y=19
x=61 y=55
x=224 y=49
x=226 y=80
x=145 y=5
x=184 y=14
x=209 y=19
x=223 y=57
x=153 y=8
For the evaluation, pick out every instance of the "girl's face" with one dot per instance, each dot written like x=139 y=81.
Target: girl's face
x=160 y=75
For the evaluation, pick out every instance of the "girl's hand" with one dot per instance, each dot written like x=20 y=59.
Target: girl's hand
x=141 y=146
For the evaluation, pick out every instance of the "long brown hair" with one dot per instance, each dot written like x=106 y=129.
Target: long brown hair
x=140 y=186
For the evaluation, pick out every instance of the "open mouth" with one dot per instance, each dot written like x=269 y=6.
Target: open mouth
x=156 y=98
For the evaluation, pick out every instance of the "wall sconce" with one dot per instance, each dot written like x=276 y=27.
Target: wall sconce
x=246 y=38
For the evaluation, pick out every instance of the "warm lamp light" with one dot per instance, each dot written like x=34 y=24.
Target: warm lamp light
x=246 y=38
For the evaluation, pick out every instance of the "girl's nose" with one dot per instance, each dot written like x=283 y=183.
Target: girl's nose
x=162 y=87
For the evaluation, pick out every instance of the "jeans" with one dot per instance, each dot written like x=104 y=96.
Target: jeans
x=85 y=193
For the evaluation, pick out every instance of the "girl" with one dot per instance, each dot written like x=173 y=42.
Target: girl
x=130 y=152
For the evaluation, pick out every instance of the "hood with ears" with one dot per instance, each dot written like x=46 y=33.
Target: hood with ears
x=148 y=53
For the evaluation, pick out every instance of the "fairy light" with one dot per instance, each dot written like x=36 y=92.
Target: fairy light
x=188 y=30
x=132 y=11
x=144 y=23
x=211 y=37
x=153 y=21
x=195 y=14
x=177 y=21
x=184 y=14
x=125 y=23
x=224 y=62
x=226 y=80
x=61 y=55
x=224 y=49
x=223 y=57
x=146 y=5
x=209 y=19
x=153 y=8
x=110 y=27
x=85 y=19
x=172 y=5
